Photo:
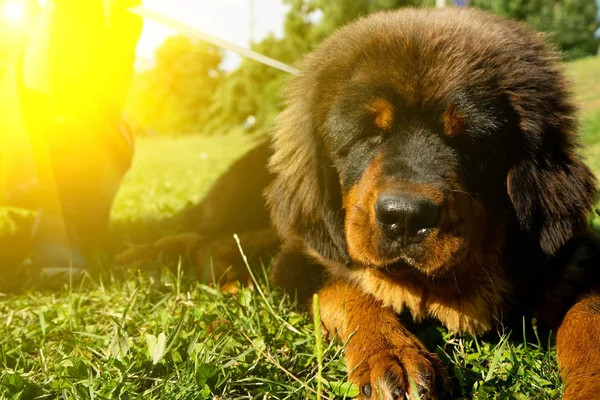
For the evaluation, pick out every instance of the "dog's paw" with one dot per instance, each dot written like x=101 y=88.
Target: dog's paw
x=397 y=370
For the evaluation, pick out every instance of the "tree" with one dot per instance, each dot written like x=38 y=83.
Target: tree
x=252 y=90
x=175 y=95
x=570 y=23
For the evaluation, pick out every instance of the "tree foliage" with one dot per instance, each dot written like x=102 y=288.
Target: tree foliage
x=253 y=90
x=176 y=94
x=570 y=23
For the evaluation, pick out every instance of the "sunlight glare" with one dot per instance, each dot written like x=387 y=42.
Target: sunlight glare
x=14 y=11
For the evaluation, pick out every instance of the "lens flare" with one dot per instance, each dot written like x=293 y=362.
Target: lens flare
x=14 y=11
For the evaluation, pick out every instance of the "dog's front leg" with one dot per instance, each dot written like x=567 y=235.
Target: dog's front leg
x=578 y=350
x=381 y=355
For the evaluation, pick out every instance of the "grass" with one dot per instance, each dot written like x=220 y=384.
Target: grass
x=585 y=75
x=159 y=333
x=167 y=174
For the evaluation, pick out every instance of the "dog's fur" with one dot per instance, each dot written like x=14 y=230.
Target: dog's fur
x=471 y=113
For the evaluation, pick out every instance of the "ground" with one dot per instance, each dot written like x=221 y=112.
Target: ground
x=155 y=332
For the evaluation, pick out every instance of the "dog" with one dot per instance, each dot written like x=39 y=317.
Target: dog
x=425 y=164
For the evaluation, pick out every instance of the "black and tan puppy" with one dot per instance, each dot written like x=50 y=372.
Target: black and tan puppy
x=426 y=164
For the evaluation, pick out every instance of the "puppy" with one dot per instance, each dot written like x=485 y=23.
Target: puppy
x=425 y=164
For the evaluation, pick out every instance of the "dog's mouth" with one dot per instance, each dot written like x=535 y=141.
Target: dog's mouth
x=405 y=265
x=430 y=252
x=401 y=270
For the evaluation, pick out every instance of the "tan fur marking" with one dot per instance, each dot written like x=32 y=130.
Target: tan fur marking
x=453 y=120
x=360 y=219
x=383 y=113
x=466 y=302
x=377 y=343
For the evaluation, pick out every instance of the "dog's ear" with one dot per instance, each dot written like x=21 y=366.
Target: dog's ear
x=305 y=196
x=550 y=187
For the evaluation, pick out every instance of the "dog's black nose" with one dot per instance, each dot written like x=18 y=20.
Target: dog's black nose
x=400 y=215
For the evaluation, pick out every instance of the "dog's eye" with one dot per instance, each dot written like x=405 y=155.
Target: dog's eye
x=370 y=133
x=363 y=132
x=375 y=139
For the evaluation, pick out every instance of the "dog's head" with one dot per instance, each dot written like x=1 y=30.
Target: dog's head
x=407 y=132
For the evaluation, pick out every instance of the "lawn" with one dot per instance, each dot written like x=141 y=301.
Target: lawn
x=585 y=74
x=155 y=332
